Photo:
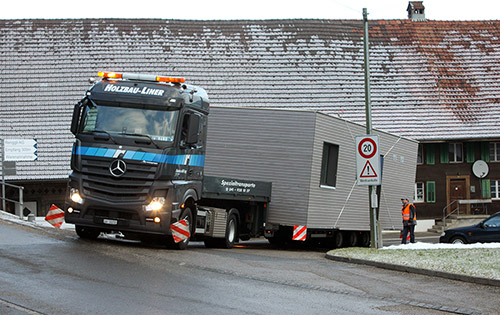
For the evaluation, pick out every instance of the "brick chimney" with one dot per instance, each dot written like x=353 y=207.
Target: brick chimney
x=416 y=11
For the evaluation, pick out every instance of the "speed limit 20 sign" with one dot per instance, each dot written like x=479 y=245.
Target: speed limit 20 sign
x=368 y=160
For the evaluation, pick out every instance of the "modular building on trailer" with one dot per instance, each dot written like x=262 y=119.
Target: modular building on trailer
x=310 y=158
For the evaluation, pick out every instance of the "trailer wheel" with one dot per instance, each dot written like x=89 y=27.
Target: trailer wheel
x=338 y=239
x=352 y=239
x=188 y=216
x=364 y=239
x=87 y=232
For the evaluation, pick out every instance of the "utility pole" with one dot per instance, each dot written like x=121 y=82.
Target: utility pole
x=372 y=195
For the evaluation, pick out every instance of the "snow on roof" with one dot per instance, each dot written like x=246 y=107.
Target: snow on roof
x=430 y=80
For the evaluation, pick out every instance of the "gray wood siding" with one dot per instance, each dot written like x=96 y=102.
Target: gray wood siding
x=286 y=147
x=269 y=145
x=336 y=208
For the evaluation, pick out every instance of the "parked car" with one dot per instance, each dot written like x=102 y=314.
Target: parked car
x=486 y=231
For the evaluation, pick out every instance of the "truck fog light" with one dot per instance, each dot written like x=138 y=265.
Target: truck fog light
x=70 y=210
x=155 y=204
x=74 y=195
x=157 y=220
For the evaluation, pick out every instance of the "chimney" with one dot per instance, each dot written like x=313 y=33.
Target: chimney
x=416 y=11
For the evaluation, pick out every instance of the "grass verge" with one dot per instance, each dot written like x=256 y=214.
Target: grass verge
x=475 y=262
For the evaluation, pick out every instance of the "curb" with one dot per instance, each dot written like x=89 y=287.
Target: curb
x=426 y=272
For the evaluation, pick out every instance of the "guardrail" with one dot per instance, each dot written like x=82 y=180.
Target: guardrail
x=20 y=201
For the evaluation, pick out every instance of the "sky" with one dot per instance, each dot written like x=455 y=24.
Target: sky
x=247 y=9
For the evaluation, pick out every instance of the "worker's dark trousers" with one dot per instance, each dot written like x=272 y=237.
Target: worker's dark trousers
x=406 y=229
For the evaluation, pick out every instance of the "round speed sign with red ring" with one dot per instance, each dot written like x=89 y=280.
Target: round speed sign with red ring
x=367 y=148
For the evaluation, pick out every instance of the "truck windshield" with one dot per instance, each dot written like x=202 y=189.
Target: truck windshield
x=157 y=124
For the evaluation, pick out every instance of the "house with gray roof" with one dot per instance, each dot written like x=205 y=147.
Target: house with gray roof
x=433 y=81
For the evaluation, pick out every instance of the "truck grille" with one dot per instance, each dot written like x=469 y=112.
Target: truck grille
x=133 y=186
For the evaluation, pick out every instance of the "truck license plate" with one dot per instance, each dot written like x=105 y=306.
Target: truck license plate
x=111 y=222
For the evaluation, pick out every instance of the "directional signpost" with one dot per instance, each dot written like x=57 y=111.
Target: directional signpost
x=20 y=150
x=368 y=160
x=16 y=150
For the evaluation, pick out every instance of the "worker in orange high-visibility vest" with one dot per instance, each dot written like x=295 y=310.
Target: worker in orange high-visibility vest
x=409 y=213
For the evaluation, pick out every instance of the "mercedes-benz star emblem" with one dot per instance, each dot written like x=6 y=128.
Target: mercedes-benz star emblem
x=117 y=168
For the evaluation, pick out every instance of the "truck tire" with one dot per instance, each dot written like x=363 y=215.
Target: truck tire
x=338 y=239
x=188 y=216
x=364 y=239
x=231 y=235
x=87 y=232
x=351 y=239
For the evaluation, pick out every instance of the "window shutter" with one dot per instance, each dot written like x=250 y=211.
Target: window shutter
x=486 y=188
x=430 y=154
x=470 y=157
x=444 y=149
x=431 y=192
x=485 y=151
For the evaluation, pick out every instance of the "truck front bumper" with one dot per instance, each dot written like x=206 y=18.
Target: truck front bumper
x=123 y=218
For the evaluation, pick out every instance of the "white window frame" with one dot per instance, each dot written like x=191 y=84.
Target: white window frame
x=496 y=150
x=453 y=145
x=416 y=196
x=495 y=189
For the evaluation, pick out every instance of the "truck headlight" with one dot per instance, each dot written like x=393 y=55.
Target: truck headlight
x=74 y=195
x=155 y=204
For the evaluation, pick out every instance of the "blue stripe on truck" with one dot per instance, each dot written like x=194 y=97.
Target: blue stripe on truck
x=191 y=160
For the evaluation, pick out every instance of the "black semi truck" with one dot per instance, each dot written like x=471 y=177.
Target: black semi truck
x=138 y=167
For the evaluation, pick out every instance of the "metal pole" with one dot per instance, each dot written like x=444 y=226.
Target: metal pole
x=3 y=175
x=21 y=202
x=371 y=189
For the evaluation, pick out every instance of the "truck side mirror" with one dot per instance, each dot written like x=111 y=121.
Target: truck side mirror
x=193 y=129
x=75 y=119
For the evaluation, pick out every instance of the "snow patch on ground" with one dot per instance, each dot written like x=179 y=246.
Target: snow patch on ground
x=421 y=245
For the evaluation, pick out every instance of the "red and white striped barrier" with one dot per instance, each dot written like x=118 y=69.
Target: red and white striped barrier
x=299 y=233
x=180 y=231
x=55 y=216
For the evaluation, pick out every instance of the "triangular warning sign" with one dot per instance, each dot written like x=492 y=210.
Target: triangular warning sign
x=368 y=171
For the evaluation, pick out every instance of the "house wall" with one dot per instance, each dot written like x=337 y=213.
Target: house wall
x=448 y=175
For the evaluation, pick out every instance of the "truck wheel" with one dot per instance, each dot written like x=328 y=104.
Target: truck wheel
x=364 y=239
x=86 y=232
x=338 y=239
x=188 y=216
x=231 y=231
x=352 y=239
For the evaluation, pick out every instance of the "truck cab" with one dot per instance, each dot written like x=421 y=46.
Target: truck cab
x=138 y=157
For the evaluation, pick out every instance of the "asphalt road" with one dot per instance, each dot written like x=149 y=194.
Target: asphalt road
x=54 y=272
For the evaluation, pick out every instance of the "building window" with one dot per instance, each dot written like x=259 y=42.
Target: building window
x=430 y=154
x=495 y=189
x=419 y=192
x=495 y=151
x=420 y=154
x=455 y=153
x=329 y=165
x=431 y=192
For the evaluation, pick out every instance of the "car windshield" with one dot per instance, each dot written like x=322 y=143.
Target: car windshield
x=156 y=124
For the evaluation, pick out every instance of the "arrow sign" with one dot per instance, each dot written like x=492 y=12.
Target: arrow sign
x=20 y=150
